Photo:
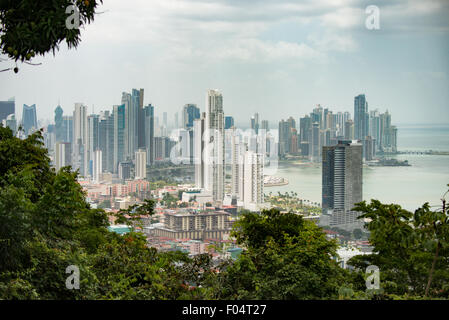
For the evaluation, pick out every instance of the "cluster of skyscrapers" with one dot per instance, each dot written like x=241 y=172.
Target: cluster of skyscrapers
x=323 y=128
x=8 y=118
x=230 y=164
x=218 y=145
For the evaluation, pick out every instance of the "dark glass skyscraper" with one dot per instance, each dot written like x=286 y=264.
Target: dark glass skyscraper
x=59 y=130
x=29 y=119
x=342 y=180
x=305 y=126
x=229 y=122
x=7 y=108
x=361 y=117
x=119 y=135
x=106 y=140
x=190 y=113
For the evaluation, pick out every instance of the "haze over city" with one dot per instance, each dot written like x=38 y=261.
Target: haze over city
x=278 y=58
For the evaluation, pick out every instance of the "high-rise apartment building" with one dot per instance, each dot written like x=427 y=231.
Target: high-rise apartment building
x=305 y=125
x=63 y=156
x=315 y=142
x=11 y=123
x=215 y=150
x=106 y=140
x=190 y=113
x=7 y=108
x=229 y=122
x=199 y=141
x=139 y=95
x=361 y=117
x=255 y=123
x=342 y=180
x=97 y=166
x=141 y=164
x=29 y=119
x=265 y=125
x=93 y=135
x=349 y=130
x=253 y=194
x=149 y=133
x=59 y=130
x=80 y=136
x=119 y=135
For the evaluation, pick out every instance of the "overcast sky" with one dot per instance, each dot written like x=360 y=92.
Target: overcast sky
x=275 y=57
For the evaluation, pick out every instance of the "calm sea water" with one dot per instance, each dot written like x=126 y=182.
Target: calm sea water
x=424 y=181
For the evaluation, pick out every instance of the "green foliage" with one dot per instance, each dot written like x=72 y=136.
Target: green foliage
x=286 y=257
x=30 y=27
x=46 y=225
x=411 y=249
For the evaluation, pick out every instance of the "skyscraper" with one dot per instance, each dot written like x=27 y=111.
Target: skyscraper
x=106 y=140
x=369 y=148
x=7 y=108
x=305 y=125
x=130 y=124
x=92 y=138
x=141 y=164
x=342 y=181
x=29 y=119
x=80 y=136
x=59 y=130
x=215 y=151
x=237 y=150
x=119 y=134
x=140 y=119
x=349 y=130
x=284 y=134
x=315 y=143
x=229 y=122
x=255 y=123
x=253 y=195
x=265 y=125
x=189 y=114
x=199 y=144
x=62 y=155
x=149 y=133
x=11 y=123
x=361 y=117
x=97 y=166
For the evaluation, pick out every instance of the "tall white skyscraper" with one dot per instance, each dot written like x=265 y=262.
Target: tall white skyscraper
x=141 y=164
x=97 y=166
x=238 y=149
x=253 y=196
x=62 y=155
x=199 y=128
x=215 y=149
x=80 y=135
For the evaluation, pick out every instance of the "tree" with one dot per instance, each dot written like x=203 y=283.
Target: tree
x=29 y=27
x=411 y=249
x=50 y=226
x=286 y=257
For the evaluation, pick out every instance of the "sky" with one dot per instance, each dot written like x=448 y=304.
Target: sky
x=279 y=58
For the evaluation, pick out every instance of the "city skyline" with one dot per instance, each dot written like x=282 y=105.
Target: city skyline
x=319 y=52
